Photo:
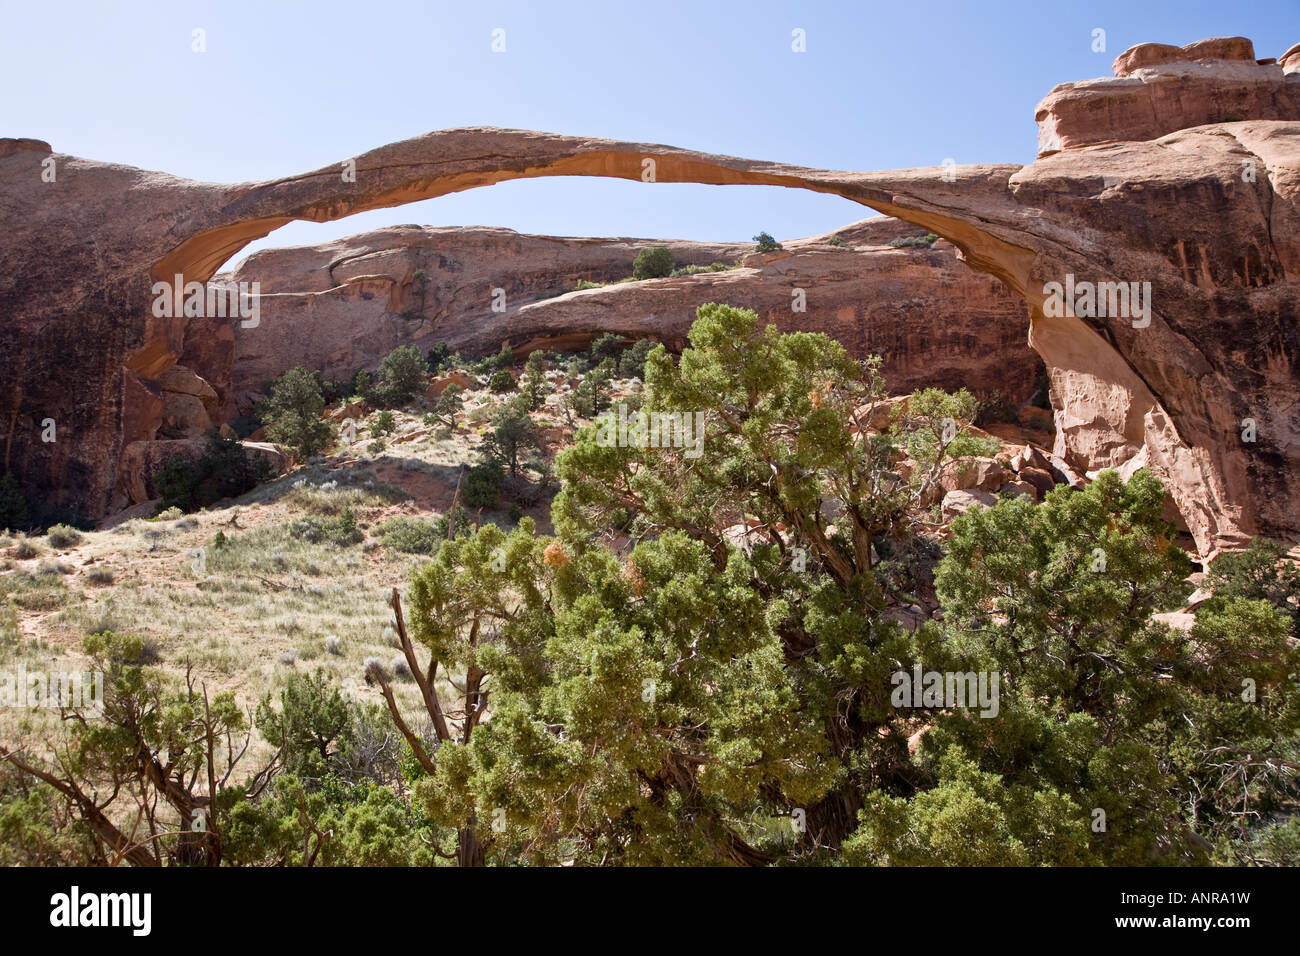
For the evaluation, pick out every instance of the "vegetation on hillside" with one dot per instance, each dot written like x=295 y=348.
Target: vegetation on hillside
x=700 y=662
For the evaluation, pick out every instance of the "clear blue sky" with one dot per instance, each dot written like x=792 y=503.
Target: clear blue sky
x=287 y=87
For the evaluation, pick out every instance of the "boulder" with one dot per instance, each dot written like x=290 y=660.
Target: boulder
x=1040 y=478
x=439 y=385
x=959 y=502
x=982 y=473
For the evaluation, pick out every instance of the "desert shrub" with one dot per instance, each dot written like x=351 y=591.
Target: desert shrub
x=100 y=576
x=384 y=424
x=914 y=242
x=513 y=432
x=443 y=524
x=482 y=484
x=437 y=358
x=607 y=345
x=586 y=284
x=535 y=385
x=653 y=263
x=401 y=375
x=501 y=381
x=52 y=566
x=175 y=484
x=700 y=270
x=340 y=530
x=293 y=412
x=410 y=535
x=836 y=241
x=224 y=470
x=1260 y=573
x=34 y=592
x=631 y=364
x=25 y=550
x=333 y=645
x=767 y=244
x=330 y=498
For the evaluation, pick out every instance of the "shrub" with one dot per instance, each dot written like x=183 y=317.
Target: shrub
x=631 y=364
x=513 y=431
x=384 y=424
x=535 y=385
x=836 y=241
x=444 y=526
x=711 y=267
x=401 y=373
x=225 y=470
x=100 y=576
x=913 y=242
x=653 y=263
x=333 y=645
x=25 y=550
x=767 y=244
x=437 y=358
x=293 y=412
x=501 y=381
x=175 y=483
x=482 y=484
x=340 y=530
x=62 y=536
x=410 y=535
x=375 y=670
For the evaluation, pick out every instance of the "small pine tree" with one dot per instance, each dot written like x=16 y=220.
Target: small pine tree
x=653 y=263
x=767 y=244
x=535 y=379
x=401 y=373
x=293 y=412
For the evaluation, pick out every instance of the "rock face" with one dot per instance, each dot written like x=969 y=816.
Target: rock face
x=142 y=460
x=1200 y=204
x=344 y=305
x=1159 y=89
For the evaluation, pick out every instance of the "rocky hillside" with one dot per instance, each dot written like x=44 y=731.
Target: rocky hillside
x=343 y=305
x=1181 y=171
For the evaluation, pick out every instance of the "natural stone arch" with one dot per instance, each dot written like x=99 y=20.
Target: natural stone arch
x=155 y=227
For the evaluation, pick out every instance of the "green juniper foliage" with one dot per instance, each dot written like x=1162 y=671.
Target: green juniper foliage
x=701 y=666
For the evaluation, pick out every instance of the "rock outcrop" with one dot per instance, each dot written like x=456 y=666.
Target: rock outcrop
x=1204 y=390
x=343 y=305
x=1159 y=89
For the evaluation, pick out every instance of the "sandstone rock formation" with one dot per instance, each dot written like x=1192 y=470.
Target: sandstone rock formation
x=1206 y=213
x=343 y=305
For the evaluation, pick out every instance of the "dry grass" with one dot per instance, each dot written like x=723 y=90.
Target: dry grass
x=230 y=591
